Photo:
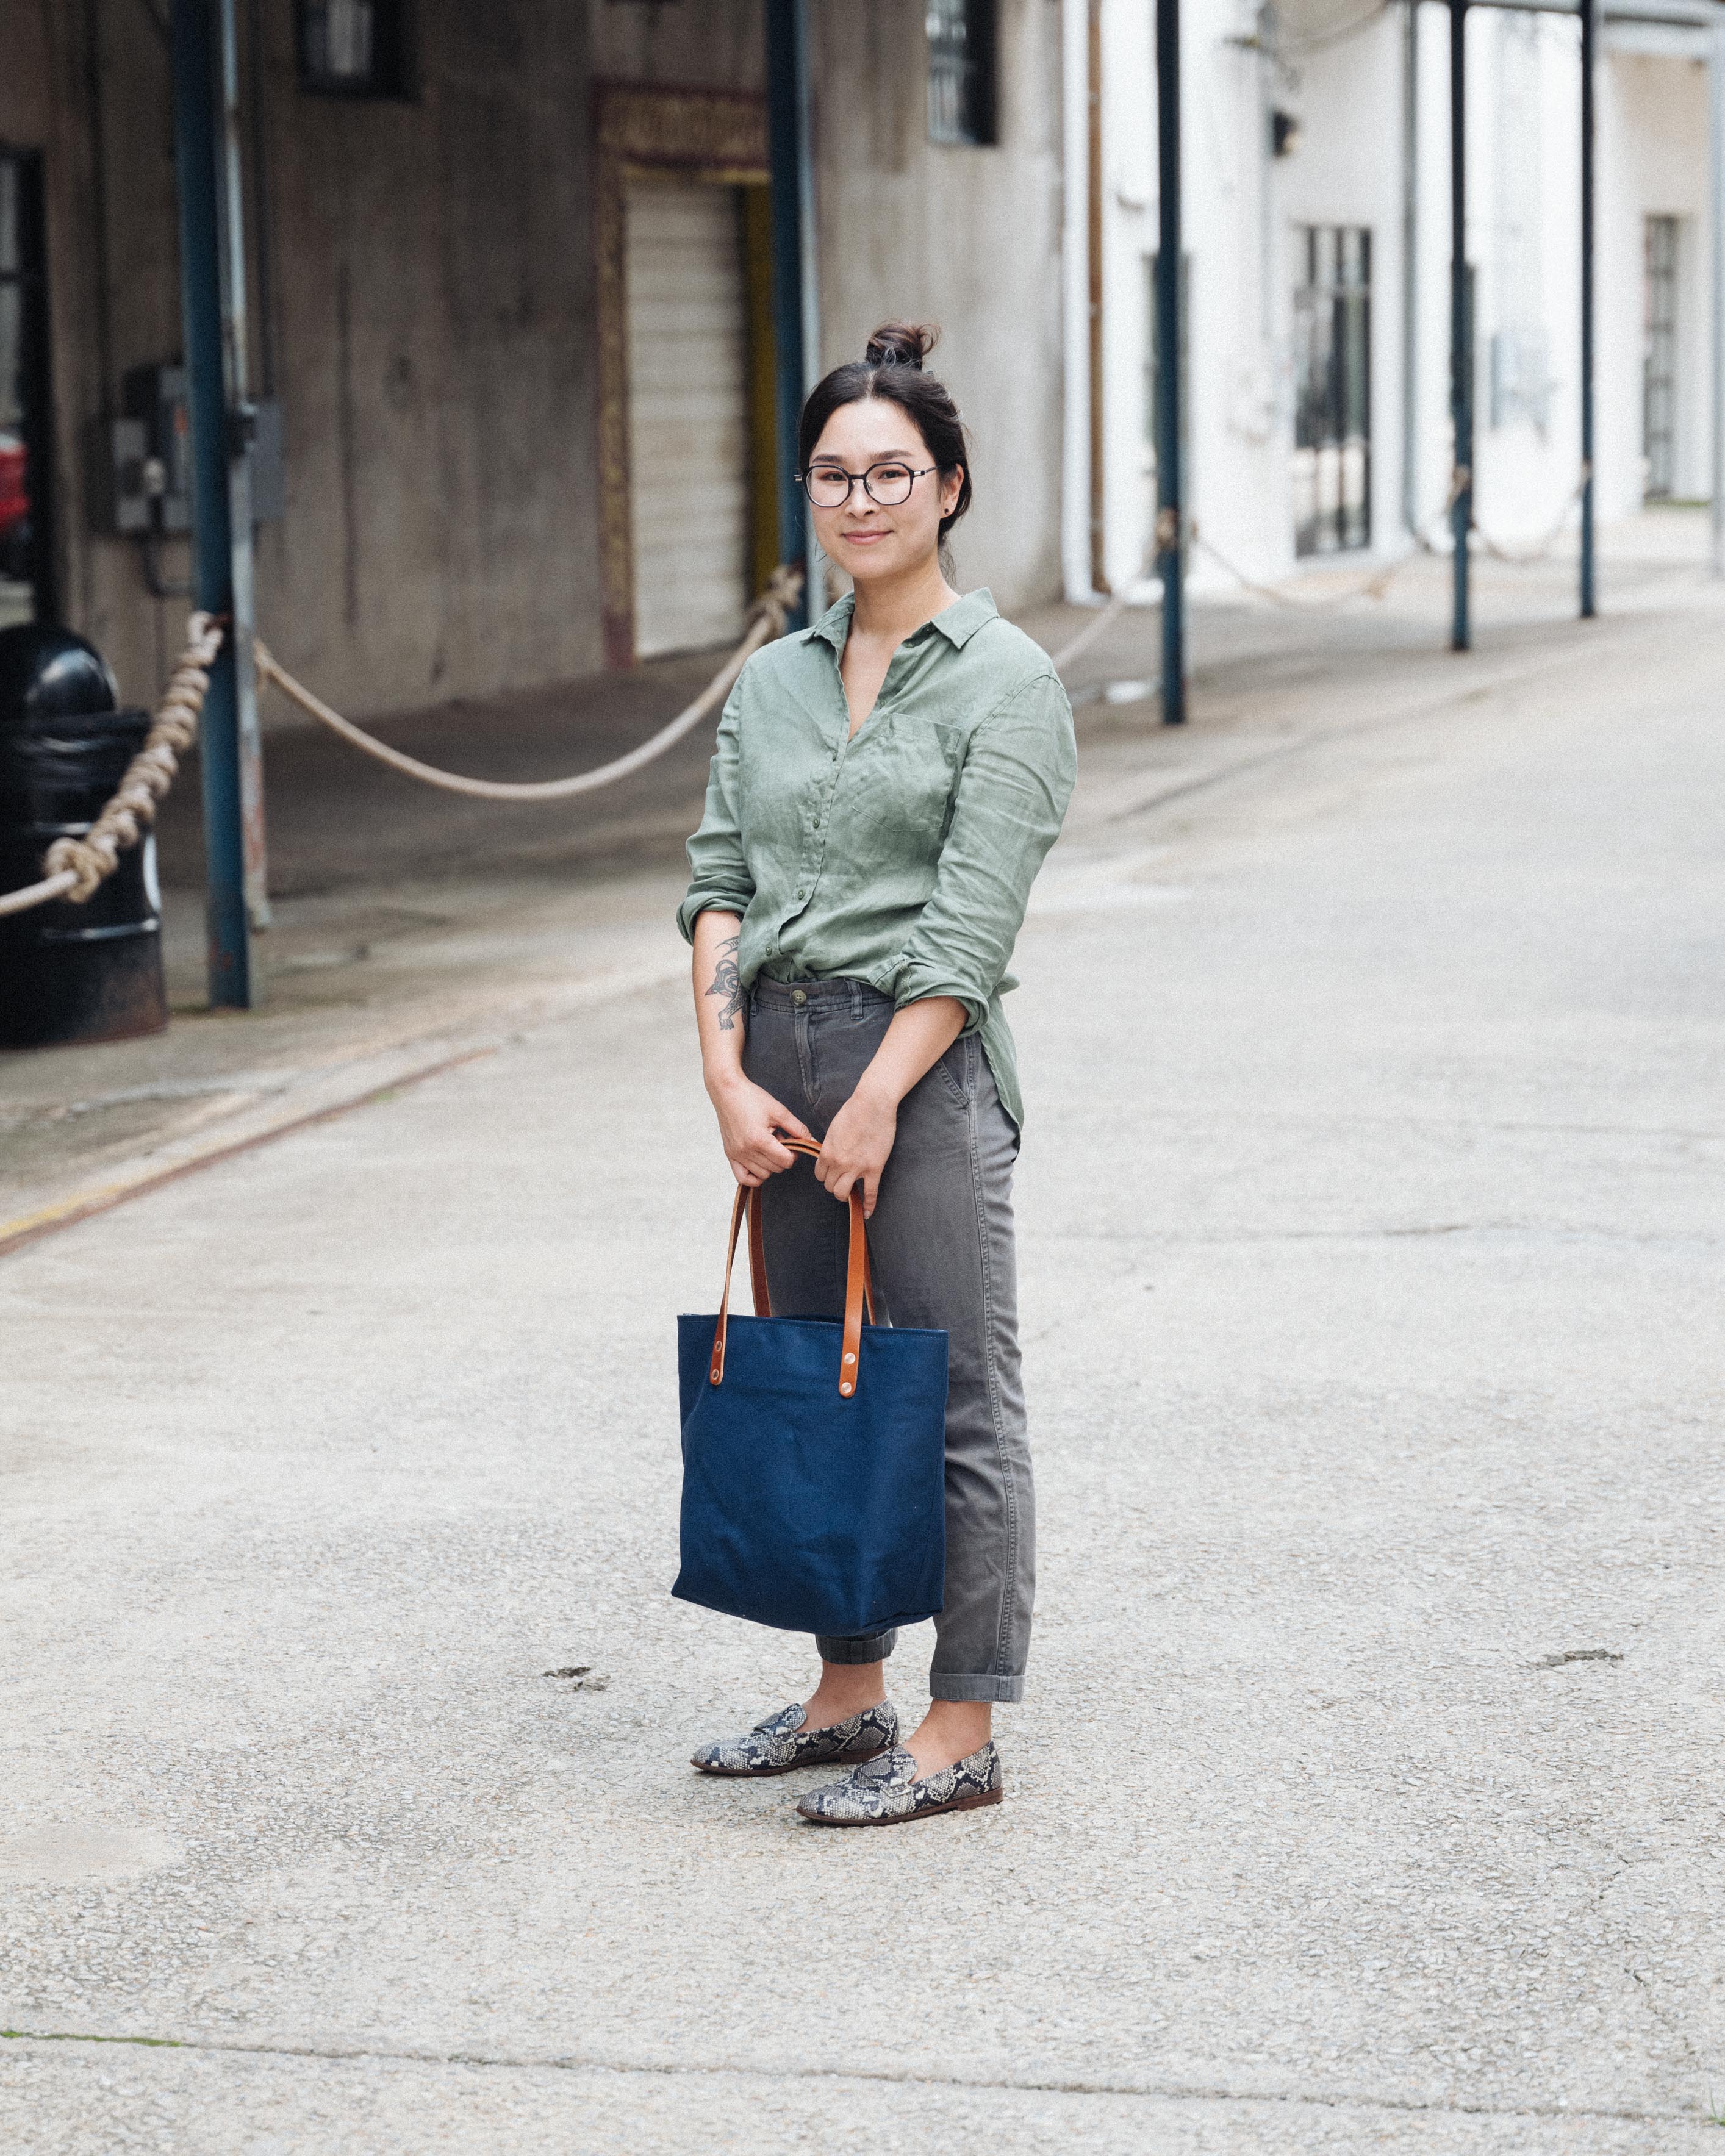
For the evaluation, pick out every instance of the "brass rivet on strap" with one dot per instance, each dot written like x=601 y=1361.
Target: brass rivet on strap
x=851 y=1358
x=847 y=1388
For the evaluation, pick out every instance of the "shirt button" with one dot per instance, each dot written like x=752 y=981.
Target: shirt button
x=797 y=996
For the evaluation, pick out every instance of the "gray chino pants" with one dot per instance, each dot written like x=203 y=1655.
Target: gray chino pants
x=940 y=1244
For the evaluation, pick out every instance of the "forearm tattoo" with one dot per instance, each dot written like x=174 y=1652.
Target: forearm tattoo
x=726 y=983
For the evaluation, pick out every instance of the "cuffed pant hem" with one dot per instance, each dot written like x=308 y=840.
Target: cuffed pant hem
x=874 y=1650
x=998 y=1691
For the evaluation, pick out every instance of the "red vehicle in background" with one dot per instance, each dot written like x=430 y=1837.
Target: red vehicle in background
x=14 y=506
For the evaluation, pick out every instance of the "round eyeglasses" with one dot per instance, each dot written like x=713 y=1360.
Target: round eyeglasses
x=888 y=483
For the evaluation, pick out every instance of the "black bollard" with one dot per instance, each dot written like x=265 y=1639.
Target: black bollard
x=71 y=973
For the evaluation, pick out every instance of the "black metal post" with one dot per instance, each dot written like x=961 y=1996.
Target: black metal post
x=787 y=155
x=1170 y=479
x=1589 y=35
x=233 y=977
x=1460 y=332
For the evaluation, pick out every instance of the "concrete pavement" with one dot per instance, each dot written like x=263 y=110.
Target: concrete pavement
x=1368 y=1796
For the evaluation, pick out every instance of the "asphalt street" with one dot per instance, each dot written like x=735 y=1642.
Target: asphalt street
x=1368 y=1795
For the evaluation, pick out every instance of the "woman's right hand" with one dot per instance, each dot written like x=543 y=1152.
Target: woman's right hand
x=748 y=1118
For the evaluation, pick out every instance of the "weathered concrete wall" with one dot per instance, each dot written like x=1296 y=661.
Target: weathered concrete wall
x=428 y=309
x=434 y=318
x=969 y=239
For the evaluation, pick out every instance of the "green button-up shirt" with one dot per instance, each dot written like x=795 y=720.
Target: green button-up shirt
x=902 y=855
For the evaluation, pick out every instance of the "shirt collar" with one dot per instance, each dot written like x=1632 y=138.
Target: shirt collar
x=833 y=626
x=958 y=623
x=962 y=620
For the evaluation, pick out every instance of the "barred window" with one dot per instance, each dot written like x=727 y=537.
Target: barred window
x=962 y=101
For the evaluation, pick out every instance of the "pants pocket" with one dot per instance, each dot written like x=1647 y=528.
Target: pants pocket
x=957 y=1070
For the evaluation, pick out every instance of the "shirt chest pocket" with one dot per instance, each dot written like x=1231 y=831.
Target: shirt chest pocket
x=904 y=789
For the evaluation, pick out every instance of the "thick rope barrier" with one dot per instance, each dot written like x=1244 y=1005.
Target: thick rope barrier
x=1376 y=585
x=77 y=868
x=1110 y=612
x=767 y=619
x=1525 y=557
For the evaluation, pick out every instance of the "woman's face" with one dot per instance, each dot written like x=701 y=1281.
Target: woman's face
x=864 y=537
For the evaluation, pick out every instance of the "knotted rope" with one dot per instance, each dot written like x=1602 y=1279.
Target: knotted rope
x=767 y=619
x=77 y=867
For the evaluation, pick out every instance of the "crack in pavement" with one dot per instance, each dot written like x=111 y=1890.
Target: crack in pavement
x=1166 y=2091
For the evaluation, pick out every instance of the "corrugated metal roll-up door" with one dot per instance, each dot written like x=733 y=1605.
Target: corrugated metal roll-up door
x=688 y=415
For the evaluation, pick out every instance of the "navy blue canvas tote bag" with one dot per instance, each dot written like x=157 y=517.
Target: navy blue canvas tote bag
x=814 y=1457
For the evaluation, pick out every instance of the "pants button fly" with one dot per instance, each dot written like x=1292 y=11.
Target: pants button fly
x=797 y=996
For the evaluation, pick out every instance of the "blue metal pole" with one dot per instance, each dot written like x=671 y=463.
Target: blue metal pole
x=233 y=977
x=788 y=161
x=1170 y=358
x=1460 y=333
x=230 y=224
x=1589 y=31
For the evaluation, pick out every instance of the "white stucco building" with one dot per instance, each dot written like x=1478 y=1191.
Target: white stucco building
x=1317 y=147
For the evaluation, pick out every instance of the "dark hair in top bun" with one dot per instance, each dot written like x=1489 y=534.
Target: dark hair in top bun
x=891 y=368
x=900 y=344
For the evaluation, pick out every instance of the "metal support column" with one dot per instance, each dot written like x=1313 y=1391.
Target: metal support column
x=1589 y=42
x=1410 y=265
x=1460 y=332
x=204 y=271
x=1716 y=149
x=795 y=294
x=1170 y=479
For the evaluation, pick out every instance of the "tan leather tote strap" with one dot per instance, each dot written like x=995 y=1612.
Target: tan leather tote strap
x=758 y=1291
x=858 y=1283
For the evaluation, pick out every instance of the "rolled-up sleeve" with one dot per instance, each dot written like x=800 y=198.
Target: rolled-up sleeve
x=1012 y=793
x=719 y=873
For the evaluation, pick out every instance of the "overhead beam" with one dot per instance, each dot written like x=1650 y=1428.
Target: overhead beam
x=1691 y=14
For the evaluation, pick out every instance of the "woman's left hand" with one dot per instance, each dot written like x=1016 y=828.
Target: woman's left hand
x=857 y=1145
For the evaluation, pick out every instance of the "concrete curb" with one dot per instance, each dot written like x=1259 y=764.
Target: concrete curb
x=332 y=1091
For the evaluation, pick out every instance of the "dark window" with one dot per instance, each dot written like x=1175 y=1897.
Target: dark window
x=1332 y=389
x=354 y=48
x=962 y=71
x=26 y=421
x=1659 y=365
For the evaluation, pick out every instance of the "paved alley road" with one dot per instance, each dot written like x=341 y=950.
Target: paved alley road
x=1368 y=1796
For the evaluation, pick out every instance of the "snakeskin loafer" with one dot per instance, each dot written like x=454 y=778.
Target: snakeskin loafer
x=780 y=1743
x=885 y=1792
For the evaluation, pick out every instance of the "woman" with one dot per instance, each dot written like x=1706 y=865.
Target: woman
x=886 y=785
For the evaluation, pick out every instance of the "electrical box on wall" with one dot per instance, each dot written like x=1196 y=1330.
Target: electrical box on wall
x=140 y=465
x=157 y=396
